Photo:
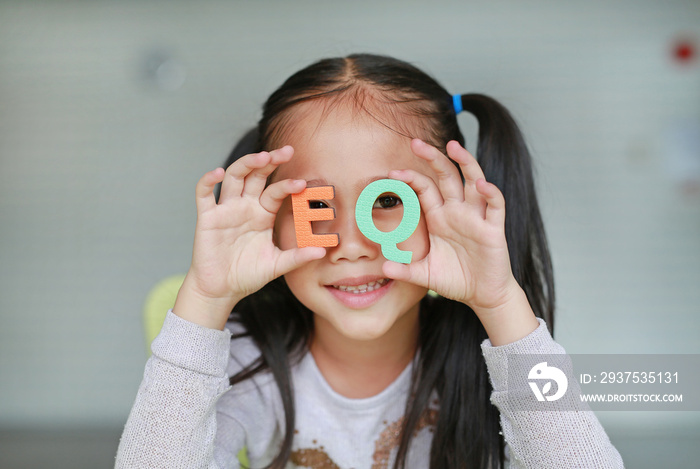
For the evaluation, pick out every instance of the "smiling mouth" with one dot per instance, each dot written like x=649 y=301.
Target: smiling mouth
x=364 y=288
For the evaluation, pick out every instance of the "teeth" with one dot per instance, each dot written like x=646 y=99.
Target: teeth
x=359 y=289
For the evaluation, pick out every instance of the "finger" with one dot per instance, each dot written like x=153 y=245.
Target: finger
x=204 y=191
x=428 y=193
x=495 y=202
x=294 y=258
x=449 y=182
x=471 y=171
x=415 y=273
x=467 y=163
x=273 y=197
x=233 y=183
x=256 y=181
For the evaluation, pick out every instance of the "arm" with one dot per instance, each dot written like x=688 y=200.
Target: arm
x=553 y=439
x=173 y=420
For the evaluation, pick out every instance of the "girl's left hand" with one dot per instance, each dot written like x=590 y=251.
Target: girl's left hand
x=468 y=259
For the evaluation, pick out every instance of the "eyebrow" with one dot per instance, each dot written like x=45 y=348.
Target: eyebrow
x=317 y=182
x=362 y=183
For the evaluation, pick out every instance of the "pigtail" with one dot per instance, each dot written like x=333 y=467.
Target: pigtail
x=451 y=368
x=506 y=162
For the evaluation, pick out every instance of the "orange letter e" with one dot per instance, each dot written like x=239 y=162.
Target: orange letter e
x=304 y=215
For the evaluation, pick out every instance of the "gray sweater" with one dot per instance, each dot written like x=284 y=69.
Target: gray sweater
x=186 y=414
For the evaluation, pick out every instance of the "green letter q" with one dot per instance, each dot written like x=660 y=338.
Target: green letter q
x=409 y=222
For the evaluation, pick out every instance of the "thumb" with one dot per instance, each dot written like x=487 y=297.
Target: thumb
x=294 y=258
x=414 y=273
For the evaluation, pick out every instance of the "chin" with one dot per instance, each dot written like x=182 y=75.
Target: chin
x=364 y=329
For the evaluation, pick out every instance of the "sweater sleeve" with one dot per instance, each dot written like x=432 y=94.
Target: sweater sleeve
x=544 y=439
x=173 y=420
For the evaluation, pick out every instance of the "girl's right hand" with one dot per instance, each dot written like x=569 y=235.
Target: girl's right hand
x=234 y=254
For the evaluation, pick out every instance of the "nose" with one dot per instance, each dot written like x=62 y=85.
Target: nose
x=352 y=244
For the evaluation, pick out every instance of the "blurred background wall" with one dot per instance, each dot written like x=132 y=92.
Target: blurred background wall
x=110 y=111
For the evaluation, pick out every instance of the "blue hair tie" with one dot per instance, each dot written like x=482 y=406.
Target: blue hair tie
x=457 y=103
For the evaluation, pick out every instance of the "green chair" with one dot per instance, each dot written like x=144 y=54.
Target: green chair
x=159 y=300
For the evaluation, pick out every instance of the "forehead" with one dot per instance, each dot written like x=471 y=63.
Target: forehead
x=342 y=142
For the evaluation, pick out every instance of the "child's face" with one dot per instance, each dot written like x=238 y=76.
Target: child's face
x=348 y=150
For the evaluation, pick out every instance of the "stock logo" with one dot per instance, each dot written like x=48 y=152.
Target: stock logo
x=542 y=372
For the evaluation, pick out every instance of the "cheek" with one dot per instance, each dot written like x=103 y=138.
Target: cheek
x=303 y=283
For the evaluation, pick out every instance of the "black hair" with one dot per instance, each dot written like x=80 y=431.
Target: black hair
x=450 y=363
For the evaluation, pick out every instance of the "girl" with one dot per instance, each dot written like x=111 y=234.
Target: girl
x=337 y=357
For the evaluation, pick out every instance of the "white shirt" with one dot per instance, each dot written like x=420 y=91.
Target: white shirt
x=186 y=414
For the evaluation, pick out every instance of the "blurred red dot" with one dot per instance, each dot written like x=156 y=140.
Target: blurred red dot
x=684 y=51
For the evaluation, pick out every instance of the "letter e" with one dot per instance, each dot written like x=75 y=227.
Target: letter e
x=304 y=215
